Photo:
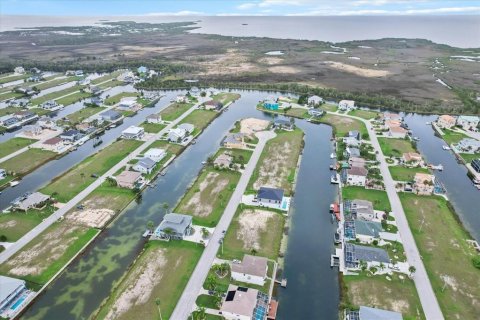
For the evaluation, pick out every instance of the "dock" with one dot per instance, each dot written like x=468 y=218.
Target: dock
x=334 y=261
x=282 y=283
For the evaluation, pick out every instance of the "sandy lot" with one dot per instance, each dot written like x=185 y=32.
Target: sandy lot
x=42 y=135
x=369 y=73
x=201 y=204
x=252 y=125
x=274 y=170
x=252 y=223
x=394 y=304
x=141 y=50
x=96 y=218
x=140 y=285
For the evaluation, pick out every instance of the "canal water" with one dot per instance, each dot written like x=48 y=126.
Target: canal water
x=312 y=291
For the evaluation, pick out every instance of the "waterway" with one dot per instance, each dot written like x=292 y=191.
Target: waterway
x=312 y=286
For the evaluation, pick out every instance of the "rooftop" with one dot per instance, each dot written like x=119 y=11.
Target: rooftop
x=357 y=171
x=8 y=285
x=175 y=221
x=368 y=228
x=367 y=313
x=270 y=193
x=240 y=301
x=128 y=177
x=252 y=265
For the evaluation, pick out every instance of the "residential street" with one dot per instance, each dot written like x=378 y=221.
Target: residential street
x=425 y=292
x=187 y=301
x=15 y=247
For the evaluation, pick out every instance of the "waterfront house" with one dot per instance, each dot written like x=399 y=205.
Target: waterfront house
x=154 y=118
x=51 y=105
x=283 y=125
x=34 y=200
x=367 y=231
x=79 y=73
x=213 y=105
x=188 y=127
x=270 y=104
x=155 y=154
x=46 y=123
x=346 y=105
x=9 y=121
x=315 y=112
x=353 y=152
x=234 y=140
x=391 y=116
x=356 y=253
x=71 y=135
x=446 y=121
x=424 y=183
x=26 y=116
x=54 y=144
x=240 y=303
x=252 y=270
x=110 y=115
x=22 y=102
x=397 y=132
x=412 y=158
x=3 y=174
x=174 y=226
x=351 y=142
x=181 y=99
x=357 y=176
x=35 y=70
x=356 y=162
x=476 y=165
x=32 y=131
x=145 y=165
x=468 y=122
x=362 y=210
x=176 y=135
x=468 y=145
x=223 y=161
x=133 y=132
x=127 y=104
x=314 y=101
x=19 y=70
x=270 y=196
x=194 y=91
x=98 y=101
x=142 y=70
x=11 y=291
x=130 y=180
x=367 y=313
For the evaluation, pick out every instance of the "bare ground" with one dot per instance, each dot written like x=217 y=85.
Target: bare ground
x=200 y=204
x=252 y=223
x=251 y=125
x=274 y=170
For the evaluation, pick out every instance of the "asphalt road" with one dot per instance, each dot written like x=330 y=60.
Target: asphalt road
x=187 y=301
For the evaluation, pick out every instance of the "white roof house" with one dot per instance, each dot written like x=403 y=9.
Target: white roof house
x=127 y=103
x=19 y=70
x=133 y=132
x=315 y=100
x=9 y=290
x=176 y=134
x=187 y=127
x=346 y=105
x=155 y=154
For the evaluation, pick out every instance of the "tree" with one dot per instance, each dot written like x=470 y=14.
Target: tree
x=412 y=270
x=476 y=261
x=168 y=232
x=205 y=233
x=363 y=265
x=157 y=302
x=373 y=269
x=165 y=206
x=211 y=283
x=83 y=176
x=150 y=225
x=382 y=266
x=221 y=269
x=111 y=181
x=253 y=251
x=199 y=314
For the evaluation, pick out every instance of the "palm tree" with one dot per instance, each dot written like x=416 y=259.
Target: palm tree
x=199 y=314
x=157 y=302
x=83 y=176
x=168 y=232
x=205 y=233
x=165 y=206
x=211 y=283
x=150 y=225
x=412 y=270
x=363 y=265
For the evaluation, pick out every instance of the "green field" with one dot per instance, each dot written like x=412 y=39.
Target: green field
x=16 y=224
x=10 y=95
x=365 y=114
x=376 y=291
x=116 y=98
x=174 y=111
x=53 y=83
x=377 y=197
x=447 y=256
x=342 y=125
x=13 y=145
x=226 y=97
x=82 y=114
x=169 y=147
x=207 y=198
x=395 y=147
x=74 y=98
x=108 y=76
x=200 y=119
x=152 y=127
x=55 y=95
x=452 y=137
x=14 y=78
x=239 y=155
x=469 y=157
x=27 y=161
x=329 y=107
x=405 y=174
x=68 y=185
x=254 y=230
x=169 y=266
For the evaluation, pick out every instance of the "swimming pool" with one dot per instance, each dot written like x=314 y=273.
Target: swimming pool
x=18 y=303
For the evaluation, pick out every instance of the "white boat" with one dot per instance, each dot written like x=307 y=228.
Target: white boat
x=14 y=183
x=335 y=178
x=416 y=138
x=446 y=148
x=428 y=123
x=333 y=156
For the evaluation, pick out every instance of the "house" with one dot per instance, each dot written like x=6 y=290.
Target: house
x=34 y=200
x=71 y=135
x=314 y=101
x=194 y=91
x=397 y=132
x=446 y=121
x=270 y=195
x=110 y=115
x=315 y=112
x=252 y=270
x=11 y=290
x=223 y=161
x=356 y=253
x=22 y=102
x=85 y=128
x=391 y=116
x=84 y=82
x=26 y=116
x=53 y=144
x=351 y=142
x=354 y=134
x=240 y=303
x=127 y=104
x=35 y=70
x=46 y=123
x=154 y=118
x=468 y=145
x=424 y=183
x=34 y=78
x=174 y=226
x=51 y=105
x=213 y=105
x=362 y=210
x=367 y=231
x=468 y=122
x=19 y=70
x=283 y=125
x=130 y=180
x=367 y=313
x=3 y=174
x=357 y=176
x=234 y=140
x=9 y=121
x=353 y=152
x=93 y=89
x=126 y=77
x=270 y=105
x=155 y=154
x=476 y=165
x=142 y=70
x=145 y=165
x=356 y=162
x=346 y=105
x=96 y=101
x=32 y=131
x=188 y=127
x=133 y=132
x=176 y=135
x=412 y=158
x=181 y=99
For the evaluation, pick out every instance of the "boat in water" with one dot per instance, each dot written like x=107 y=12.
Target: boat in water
x=416 y=138
x=14 y=183
x=428 y=123
x=446 y=148
x=335 y=178
x=333 y=155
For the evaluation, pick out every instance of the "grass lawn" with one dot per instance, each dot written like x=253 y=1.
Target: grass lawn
x=108 y=76
x=116 y=98
x=53 y=83
x=226 y=97
x=395 y=147
x=16 y=224
x=82 y=114
x=13 y=145
x=376 y=291
x=377 y=197
x=174 y=111
x=405 y=174
x=47 y=253
x=108 y=197
x=110 y=84
x=8 y=110
x=152 y=127
x=10 y=95
x=452 y=137
x=68 y=100
x=206 y=301
x=55 y=95
x=13 y=78
x=254 y=229
x=469 y=157
x=447 y=256
x=237 y=154
x=65 y=187
x=165 y=267
x=365 y=114
x=27 y=161
x=207 y=198
x=277 y=164
x=5 y=181
x=342 y=125
x=200 y=119
x=169 y=147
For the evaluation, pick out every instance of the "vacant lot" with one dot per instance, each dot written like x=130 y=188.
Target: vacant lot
x=68 y=185
x=161 y=272
x=397 y=295
x=82 y=114
x=226 y=97
x=395 y=147
x=452 y=137
x=54 y=83
x=365 y=114
x=45 y=255
x=405 y=174
x=175 y=110
x=116 y=98
x=106 y=77
x=13 y=77
x=78 y=96
x=56 y=95
x=342 y=125
x=28 y=161
x=200 y=119
x=13 y=145
x=16 y=224
x=377 y=197
x=207 y=198
x=253 y=231
x=446 y=255
x=152 y=127
x=278 y=162
x=169 y=147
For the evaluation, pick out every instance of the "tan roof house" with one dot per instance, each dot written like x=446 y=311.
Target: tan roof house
x=223 y=161
x=252 y=269
x=412 y=157
x=129 y=179
x=424 y=183
x=446 y=121
x=239 y=303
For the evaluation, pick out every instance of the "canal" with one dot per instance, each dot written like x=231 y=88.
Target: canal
x=312 y=286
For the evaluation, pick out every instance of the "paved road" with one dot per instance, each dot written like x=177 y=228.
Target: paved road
x=187 y=301
x=429 y=302
x=14 y=248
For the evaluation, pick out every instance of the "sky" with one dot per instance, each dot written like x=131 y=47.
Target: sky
x=238 y=7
